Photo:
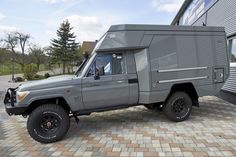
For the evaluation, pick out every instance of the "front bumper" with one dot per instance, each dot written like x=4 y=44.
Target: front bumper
x=10 y=103
x=15 y=110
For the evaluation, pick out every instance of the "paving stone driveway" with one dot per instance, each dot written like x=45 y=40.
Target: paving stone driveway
x=210 y=131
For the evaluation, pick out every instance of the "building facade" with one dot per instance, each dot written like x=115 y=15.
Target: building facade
x=88 y=46
x=213 y=13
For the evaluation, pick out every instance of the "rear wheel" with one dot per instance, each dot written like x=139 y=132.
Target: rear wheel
x=48 y=123
x=178 y=107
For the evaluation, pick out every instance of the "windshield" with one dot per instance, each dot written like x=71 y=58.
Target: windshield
x=85 y=61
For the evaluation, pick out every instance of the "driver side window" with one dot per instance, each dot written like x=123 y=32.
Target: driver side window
x=107 y=64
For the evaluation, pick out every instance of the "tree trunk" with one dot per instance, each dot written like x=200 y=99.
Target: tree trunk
x=38 y=66
x=68 y=68
x=23 y=58
x=72 y=70
x=64 y=67
x=49 y=66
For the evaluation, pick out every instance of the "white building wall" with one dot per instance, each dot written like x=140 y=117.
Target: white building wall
x=222 y=13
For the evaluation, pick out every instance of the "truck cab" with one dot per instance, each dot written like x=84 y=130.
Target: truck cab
x=111 y=80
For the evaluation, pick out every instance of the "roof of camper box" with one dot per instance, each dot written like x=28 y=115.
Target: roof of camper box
x=131 y=27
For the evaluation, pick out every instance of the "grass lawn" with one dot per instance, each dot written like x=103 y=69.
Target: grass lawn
x=6 y=68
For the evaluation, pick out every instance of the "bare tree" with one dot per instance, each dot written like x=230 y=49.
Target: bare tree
x=22 y=38
x=38 y=55
x=11 y=42
x=15 y=40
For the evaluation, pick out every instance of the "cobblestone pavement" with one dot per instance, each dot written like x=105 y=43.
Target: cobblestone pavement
x=210 y=131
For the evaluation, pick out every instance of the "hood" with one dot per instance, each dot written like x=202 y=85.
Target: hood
x=52 y=82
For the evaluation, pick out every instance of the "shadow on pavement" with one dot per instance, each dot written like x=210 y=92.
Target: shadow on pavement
x=227 y=96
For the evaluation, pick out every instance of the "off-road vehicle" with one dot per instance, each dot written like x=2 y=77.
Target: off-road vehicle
x=161 y=67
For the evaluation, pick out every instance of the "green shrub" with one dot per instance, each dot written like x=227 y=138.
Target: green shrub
x=19 y=79
x=47 y=75
x=38 y=77
x=30 y=71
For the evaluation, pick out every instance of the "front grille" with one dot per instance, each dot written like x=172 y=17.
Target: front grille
x=10 y=97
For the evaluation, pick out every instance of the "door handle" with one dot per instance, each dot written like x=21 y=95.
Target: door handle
x=131 y=81
x=120 y=81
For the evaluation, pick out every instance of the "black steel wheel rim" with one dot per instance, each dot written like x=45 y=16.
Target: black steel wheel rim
x=49 y=123
x=179 y=106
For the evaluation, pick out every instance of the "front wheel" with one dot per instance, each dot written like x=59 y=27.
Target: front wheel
x=48 y=123
x=178 y=107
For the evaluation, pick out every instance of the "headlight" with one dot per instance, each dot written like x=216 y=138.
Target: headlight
x=21 y=95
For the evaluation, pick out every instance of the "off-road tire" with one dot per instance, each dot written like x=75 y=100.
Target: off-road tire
x=178 y=107
x=36 y=121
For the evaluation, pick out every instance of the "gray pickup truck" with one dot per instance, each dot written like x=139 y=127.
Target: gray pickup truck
x=161 y=67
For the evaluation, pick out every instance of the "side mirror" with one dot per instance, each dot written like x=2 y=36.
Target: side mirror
x=96 y=77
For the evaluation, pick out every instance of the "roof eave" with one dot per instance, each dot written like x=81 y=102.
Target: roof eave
x=181 y=11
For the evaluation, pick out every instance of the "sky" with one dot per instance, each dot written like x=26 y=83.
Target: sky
x=89 y=18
